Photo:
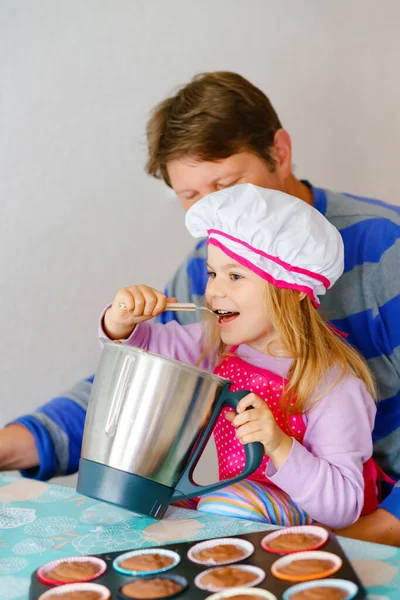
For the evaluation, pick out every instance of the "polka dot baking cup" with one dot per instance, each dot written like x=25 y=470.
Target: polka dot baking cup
x=149 y=587
x=212 y=552
x=304 y=566
x=318 y=589
x=236 y=573
x=295 y=539
x=172 y=557
x=87 y=590
x=243 y=593
x=63 y=569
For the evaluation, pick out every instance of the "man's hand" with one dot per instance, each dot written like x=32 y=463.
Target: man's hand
x=380 y=527
x=17 y=448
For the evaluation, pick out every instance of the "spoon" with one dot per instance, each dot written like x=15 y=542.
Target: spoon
x=181 y=306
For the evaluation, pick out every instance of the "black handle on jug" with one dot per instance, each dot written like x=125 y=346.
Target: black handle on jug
x=254 y=452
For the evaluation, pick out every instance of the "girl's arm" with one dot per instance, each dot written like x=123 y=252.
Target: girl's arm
x=181 y=342
x=325 y=475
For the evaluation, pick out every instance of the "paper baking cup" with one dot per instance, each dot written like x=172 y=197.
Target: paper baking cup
x=47 y=567
x=259 y=577
x=320 y=532
x=117 y=561
x=285 y=560
x=348 y=586
x=247 y=548
x=251 y=592
x=77 y=587
x=177 y=578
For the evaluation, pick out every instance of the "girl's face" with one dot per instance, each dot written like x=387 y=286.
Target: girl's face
x=236 y=289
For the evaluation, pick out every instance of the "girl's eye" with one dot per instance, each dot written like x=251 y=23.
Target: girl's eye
x=211 y=274
x=235 y=277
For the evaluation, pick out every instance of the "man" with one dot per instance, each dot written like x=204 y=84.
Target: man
x=217 y=131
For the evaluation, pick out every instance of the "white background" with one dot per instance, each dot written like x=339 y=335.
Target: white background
x=79 y=217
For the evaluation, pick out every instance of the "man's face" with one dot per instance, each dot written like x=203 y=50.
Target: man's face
x=193 y=180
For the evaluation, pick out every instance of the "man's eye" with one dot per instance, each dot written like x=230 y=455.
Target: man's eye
x=222 y=186
x=235 y=277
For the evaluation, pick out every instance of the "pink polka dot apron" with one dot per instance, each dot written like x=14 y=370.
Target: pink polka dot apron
x=269 y=386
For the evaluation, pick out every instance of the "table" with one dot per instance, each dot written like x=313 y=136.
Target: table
x=41 y=521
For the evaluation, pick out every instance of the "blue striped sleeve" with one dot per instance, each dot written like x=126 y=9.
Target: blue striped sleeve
x=57 y=428
x=188 y=283
x=368 y=240
x=45 y=448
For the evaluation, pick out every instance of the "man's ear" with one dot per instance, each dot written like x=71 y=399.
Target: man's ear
x=282 y=153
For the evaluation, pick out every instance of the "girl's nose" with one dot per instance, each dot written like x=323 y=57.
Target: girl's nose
x=215 y=289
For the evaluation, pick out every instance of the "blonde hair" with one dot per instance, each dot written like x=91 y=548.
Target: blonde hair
x=308 y=339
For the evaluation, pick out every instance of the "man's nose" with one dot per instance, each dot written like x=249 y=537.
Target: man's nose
x=208 y=189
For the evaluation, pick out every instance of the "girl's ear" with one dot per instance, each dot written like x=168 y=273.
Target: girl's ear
x=302 y=295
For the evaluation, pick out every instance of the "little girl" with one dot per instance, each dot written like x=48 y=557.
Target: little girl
x=270 y=256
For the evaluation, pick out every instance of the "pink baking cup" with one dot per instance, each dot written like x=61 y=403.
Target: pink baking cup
x=319 y=532
x=42 y=572
x=77 y=587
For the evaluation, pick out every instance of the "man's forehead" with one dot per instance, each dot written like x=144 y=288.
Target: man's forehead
x=188 y=173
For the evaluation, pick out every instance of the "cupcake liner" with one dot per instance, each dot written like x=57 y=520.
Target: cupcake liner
x=285 y=560
x=177 y=578
x=310 y=529
x=343 y=584
x=133 y=573
x=41 y=573
x=259 y=573
x=261 y=594
x=77 y=587
x=244 y=545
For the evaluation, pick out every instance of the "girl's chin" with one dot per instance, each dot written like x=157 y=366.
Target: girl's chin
x=231 y=339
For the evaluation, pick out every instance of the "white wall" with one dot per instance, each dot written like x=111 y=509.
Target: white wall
x=79 y=218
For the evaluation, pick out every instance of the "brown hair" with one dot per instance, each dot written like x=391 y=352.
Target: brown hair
x=308 y=339
x=214 y=116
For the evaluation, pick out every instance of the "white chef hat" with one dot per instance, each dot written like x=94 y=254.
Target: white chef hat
x=283 y=239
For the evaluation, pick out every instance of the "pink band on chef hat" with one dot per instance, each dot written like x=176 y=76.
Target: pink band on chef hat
x=280 y=238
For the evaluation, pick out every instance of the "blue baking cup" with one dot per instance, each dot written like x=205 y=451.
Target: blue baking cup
x=117 y=561
x=343 y=584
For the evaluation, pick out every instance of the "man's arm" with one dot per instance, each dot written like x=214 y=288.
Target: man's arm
x=48 y=442
x=17 y=448
x=381 y=526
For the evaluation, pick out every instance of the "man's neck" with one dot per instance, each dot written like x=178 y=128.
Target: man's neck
x=294 y=187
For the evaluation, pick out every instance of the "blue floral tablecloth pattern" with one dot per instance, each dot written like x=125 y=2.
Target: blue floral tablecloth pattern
x=40 y=522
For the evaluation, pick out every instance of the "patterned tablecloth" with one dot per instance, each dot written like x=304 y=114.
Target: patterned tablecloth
x=40 y=522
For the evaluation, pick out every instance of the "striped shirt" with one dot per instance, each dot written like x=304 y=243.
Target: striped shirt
x=364 y=303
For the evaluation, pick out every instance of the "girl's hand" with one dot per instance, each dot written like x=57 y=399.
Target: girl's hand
x=258 y=425
x=141 y=303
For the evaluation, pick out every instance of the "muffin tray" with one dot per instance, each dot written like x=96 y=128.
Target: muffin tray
x=189 y=570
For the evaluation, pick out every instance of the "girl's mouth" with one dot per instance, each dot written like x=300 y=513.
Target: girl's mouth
x=225 y=316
